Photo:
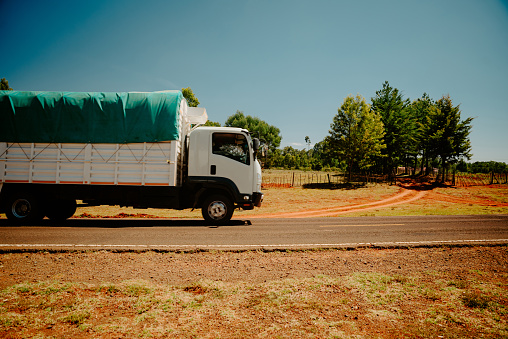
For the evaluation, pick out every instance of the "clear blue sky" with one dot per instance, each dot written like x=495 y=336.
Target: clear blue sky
x=288 y=62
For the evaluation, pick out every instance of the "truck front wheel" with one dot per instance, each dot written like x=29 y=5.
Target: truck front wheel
x=24 y=208
x=217 y=209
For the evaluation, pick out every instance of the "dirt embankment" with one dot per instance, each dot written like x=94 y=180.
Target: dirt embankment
x=251 y=266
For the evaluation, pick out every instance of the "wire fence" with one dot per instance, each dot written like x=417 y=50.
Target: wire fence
x=476 y=179
x=302 y=179
x=306 y=179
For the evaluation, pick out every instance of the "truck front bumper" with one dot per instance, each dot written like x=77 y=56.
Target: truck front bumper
x=251 y=201
x=257 y=199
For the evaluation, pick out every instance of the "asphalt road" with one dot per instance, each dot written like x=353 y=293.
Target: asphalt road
x=171 y=234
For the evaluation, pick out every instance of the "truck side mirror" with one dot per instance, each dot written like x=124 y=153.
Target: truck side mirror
x=255 y=146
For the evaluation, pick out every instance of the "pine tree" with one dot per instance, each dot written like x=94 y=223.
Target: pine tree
x=449 y=135
x=399 y=124
x=356 y=134
x=420 y=111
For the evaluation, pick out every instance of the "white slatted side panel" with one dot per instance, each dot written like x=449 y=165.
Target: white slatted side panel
x=44 y=169
x=17 y=162
x=129 y=164
x=161 y=164
x=102 y=164
x=3 y=156
x=72 y=163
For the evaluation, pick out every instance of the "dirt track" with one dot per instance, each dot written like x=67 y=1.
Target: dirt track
x=402 y=197
x=408 y=192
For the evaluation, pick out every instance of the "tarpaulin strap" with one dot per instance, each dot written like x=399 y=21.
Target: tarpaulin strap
x=95 y=148
x=26 y=155
x=114 y=153
x=132 y=153
x=8 y=147
x=165 y=156
x=79 y=152
x=40 y=151
x=148 y=150
x=62 y=153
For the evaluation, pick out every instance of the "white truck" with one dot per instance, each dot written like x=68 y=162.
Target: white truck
x=145 y=150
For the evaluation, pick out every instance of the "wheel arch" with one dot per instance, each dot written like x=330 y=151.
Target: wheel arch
x=203 y=187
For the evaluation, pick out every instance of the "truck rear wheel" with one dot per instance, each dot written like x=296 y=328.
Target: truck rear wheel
x=60 y=209
x=24 y=208
x=217 y=209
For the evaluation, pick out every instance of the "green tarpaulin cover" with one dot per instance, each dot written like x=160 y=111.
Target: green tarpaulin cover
x=89 y=117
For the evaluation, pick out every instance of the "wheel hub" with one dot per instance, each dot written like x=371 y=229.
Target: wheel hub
x=21 y=208
x=217 y=210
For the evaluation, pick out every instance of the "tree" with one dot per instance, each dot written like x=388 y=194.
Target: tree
x=192 y=101
x=399 y=125
x=420 y=111
x=356 y=134
x=449 y=135
x=489 y=167
x=4 y=85
x=324 y=156
x=259 y=128
x=212 y=124
x=307 y=141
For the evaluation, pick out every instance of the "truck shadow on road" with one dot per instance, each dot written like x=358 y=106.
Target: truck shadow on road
x=125 y=223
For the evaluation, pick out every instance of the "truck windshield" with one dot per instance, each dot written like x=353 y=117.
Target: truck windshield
x=231 y=145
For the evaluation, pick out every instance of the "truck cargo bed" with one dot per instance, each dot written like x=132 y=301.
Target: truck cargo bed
x=145 y=164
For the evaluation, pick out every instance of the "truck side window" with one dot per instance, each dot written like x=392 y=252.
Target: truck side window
x=231 y=145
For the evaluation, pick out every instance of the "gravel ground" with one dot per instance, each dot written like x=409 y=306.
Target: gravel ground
x=438 y=292
x=250 y=266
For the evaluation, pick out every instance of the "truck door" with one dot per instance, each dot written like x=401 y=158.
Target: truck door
x=231 y=158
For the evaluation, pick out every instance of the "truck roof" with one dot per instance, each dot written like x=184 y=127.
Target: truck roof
x=90 y=117
x=224 y=129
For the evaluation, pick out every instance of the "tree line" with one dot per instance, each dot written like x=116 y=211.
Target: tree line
x=393 y=131
x=378 y=137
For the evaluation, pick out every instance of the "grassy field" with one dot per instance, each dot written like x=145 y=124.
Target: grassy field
x=439 y=201
x=405 y=293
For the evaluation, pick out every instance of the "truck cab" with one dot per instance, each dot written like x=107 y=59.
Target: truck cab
x=223 y=171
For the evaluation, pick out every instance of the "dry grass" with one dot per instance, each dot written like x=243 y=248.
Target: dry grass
x=464 y=201
x=276 y=200
x=360 y=305
x=473 y=200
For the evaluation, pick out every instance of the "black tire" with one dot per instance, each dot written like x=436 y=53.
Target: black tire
x=217 y=209
x=24 y=208
x=60 y=209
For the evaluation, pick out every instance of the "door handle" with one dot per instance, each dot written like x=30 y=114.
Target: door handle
x=213 y=170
